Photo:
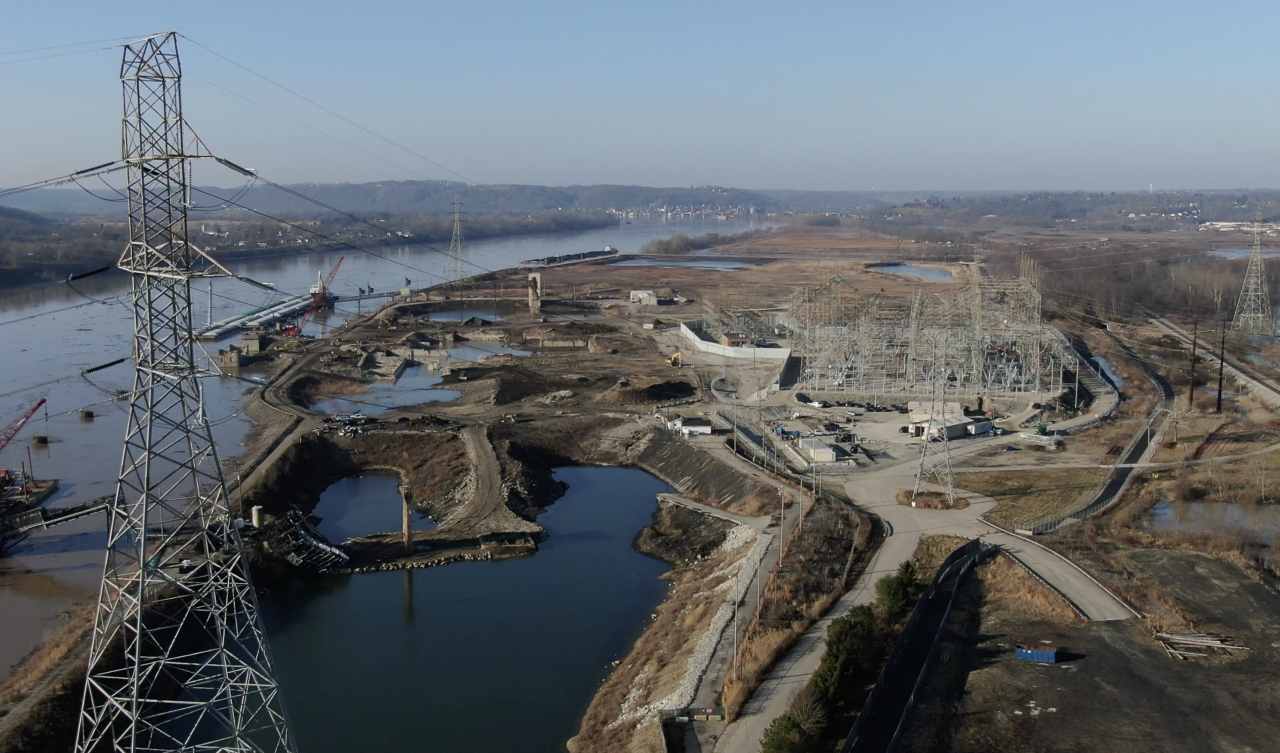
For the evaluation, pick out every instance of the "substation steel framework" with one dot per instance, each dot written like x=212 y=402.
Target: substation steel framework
x=179 y=659
x=873 y=345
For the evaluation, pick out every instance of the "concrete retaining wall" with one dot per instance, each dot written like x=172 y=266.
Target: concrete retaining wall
x=689 y=469
x=716 y=349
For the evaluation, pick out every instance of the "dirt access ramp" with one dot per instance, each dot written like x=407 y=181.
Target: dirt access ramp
x=483 y=510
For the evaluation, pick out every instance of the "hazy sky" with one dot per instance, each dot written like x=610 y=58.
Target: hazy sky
x=822 y=95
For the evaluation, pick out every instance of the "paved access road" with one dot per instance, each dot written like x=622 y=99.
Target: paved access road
x=875 y=492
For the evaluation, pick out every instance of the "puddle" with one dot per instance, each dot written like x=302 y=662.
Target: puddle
x=461 y=315
x=1261 y=521
x=722 y=266
x=478 y=350
x=418 y=384
x=911 y=270
x=361 y=505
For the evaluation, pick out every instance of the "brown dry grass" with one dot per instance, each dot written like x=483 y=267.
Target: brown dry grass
x=932 y=551
x=755 y=657
x=1012 y=592
x=929 y=500
x=334 y=387
x=754 y=506
x=1026 y=496
x=809 y=580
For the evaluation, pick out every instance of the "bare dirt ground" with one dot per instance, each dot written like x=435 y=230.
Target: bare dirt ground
x=1118 y=689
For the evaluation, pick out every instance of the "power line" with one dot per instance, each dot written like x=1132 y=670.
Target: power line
x=497 y=195
x=56 y=55
x=319 y=106
x=65 y=46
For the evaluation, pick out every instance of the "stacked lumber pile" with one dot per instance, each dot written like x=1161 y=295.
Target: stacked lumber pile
x=1187 y=645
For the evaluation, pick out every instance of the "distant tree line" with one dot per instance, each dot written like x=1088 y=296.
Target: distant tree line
x=683 y=244
x=35 y=248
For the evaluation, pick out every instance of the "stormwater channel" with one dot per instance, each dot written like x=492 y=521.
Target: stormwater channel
x=1109 y=370
x=478 y=656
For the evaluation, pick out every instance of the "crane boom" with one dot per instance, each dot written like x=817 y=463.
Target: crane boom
x=12 y=429
x=319 y=293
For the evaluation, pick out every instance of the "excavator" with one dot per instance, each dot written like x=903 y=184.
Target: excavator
x=675 y=359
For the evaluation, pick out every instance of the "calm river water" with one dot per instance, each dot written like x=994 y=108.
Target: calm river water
x=46 y=339
x=481 y=656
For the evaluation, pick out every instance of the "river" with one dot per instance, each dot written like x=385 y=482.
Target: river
x=46 y=340
x=477 y=656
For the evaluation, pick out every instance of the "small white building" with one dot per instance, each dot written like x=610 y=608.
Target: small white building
x=817 y=450
x=927 y=419
x=687 y=425
x=644 y=297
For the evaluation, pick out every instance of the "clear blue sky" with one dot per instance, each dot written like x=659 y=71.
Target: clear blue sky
x=823 y=95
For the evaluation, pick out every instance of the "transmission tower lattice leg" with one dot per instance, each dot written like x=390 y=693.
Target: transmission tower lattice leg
x=178 y=658
x=457 y=268
x=1253 y=308
x=935 y=456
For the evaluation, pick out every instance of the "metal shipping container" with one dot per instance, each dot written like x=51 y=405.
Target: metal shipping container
x=1047 y=654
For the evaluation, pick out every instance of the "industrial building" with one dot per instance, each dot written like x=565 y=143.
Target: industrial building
x=687 y=425
x=817 y=450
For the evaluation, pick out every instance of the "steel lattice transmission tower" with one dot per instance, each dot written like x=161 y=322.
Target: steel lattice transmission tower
x=178 y=660
x=1253 y=309
x=935 y=456
x=456 y=270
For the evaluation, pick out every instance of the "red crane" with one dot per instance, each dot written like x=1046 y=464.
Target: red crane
x=319 y=293
x=12 y=429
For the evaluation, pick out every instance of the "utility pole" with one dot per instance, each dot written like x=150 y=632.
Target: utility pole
x=1222 y=362
x=1076 y=402
x=782 y=525
x=1191 y=393
x=178 y=658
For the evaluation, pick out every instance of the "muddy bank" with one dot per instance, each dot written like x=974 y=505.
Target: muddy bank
x=680 y=536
